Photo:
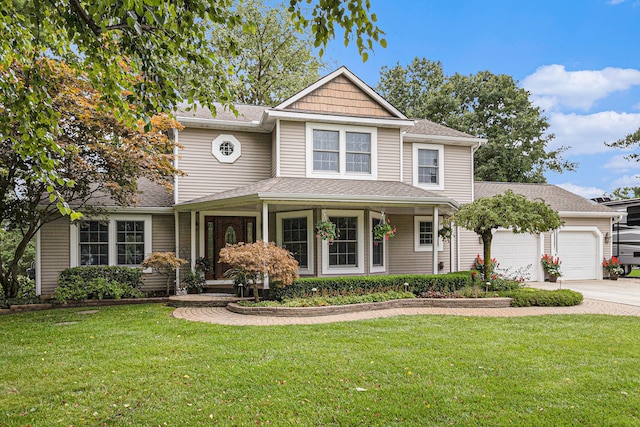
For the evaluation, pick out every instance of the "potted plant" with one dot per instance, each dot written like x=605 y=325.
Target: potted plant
x=194 y=281
x=326 y=230
x=383 y=230
x=551 y=266
x=613 y=266
x=445 y=233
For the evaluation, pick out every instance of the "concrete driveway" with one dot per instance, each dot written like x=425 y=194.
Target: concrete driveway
x=622 y=291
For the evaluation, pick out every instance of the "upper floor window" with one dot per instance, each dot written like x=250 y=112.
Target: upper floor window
x=339 y=151
x=226 y=148
x=428 y=167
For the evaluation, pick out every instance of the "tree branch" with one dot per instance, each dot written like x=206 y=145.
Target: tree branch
x=84 y=16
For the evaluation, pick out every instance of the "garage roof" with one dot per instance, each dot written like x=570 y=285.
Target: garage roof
x=557 y=198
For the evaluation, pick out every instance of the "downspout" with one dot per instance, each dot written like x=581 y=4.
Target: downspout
x=176 y=225
x=175 y=164
x=38 y=263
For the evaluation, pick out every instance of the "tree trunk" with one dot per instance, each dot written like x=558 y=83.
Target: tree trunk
x=486 y=245
x=9 y=277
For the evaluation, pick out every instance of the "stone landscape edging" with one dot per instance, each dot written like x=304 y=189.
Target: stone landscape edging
x=352 y=308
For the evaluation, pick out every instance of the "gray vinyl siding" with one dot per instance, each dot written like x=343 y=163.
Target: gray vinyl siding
x=470 y=247
x=206 y=175
x=54 y=257
x=458 y=177
x=388 y=154
x=403 y=259
x=292 y=149
x=162 y=240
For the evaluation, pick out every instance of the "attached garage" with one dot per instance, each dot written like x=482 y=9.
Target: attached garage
x=516 y=251
x=581 y=253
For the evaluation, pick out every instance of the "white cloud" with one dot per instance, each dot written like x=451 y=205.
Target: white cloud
x=615 y=2
x=621 y=165
x=626 y=181
x=586 y=134
x=586 y=192
x=553 y=86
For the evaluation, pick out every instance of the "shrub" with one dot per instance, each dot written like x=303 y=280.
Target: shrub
x=99 y=288
x=26 y=293
x=337 y=300
x=98 y=282
x=165 y=264
x=254 y=260
x=543 y=298
x=361 y=285
x=127 y=275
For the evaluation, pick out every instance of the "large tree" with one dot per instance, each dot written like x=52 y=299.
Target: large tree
x=268 y=64
x=485 y=105
x=101 y=154
x=509 y=210
x=127 y=47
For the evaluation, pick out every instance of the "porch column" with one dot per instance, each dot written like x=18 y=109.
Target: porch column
x=193 y=240
x=435 y=241
x=265 y=234
x=176 y=225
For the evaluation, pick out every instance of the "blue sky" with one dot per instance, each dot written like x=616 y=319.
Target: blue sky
x=579 y=59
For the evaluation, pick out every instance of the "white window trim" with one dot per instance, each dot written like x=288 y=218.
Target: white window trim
x=113 y=235
x=326 y=270
x=215 y=148
x=376 y=268
x=417 y=247
x=440 y=149
x=308 y=214
x=342 y=166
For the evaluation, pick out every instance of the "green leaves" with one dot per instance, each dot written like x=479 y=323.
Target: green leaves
x=485 y=105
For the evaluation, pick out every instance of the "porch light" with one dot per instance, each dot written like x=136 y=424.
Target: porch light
x=607 y=237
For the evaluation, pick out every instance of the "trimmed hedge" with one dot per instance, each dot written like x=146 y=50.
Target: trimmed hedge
x=543 y=298
x=98 y=282
x=360 y=285
x=126 y=275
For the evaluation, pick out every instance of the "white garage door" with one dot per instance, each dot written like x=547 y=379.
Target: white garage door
x=578 y=251
x=515 y=251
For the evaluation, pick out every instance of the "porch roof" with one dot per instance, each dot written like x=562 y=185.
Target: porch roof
x=321 y=192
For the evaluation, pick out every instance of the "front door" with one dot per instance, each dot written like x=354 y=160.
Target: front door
x=225 y=230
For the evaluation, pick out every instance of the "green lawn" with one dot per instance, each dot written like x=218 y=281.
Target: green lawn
x=135 y=365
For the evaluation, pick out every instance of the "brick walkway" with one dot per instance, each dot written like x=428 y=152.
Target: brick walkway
x=221 y=316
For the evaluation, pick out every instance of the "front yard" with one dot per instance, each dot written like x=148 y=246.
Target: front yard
x=135 y=365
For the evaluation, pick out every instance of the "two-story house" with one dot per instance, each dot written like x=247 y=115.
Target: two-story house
x=336 y=150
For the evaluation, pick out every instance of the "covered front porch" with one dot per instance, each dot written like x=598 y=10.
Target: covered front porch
x=286 y=210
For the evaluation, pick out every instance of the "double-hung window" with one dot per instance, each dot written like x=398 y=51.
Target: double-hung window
x=346 y=253
x=94 y=242
x=339 y=151
x=424 y=234
x=294 y=232
x=428 y=168
x=118 y=240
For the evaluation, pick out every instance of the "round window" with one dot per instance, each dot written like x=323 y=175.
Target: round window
x=226 y=148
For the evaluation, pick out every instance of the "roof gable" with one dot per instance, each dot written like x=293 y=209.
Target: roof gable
x=343 y=93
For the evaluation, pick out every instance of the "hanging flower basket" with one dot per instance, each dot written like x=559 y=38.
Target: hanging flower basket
x=445 y=233
x=203 y=265
x=383 y=230
x=326 y=230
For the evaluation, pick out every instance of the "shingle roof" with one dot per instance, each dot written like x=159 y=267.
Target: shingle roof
x=151 y=195
x=427 y=127
x=557 y=198
x=322 y=189
x=246 y=113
